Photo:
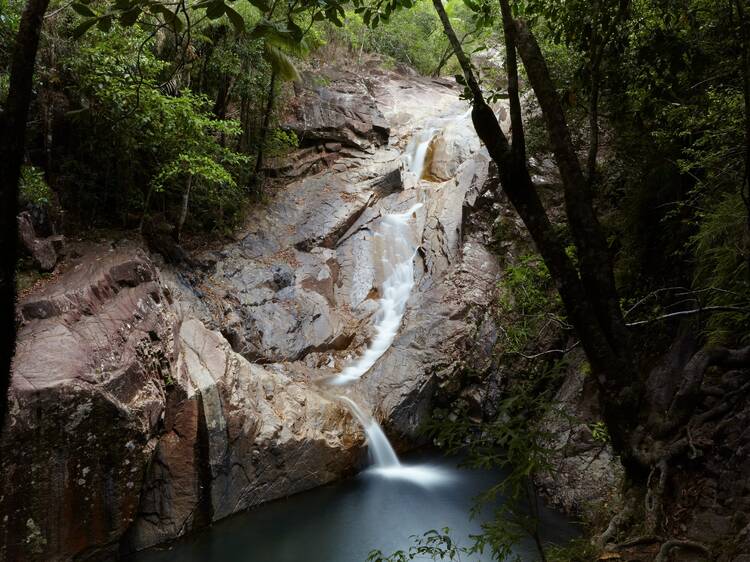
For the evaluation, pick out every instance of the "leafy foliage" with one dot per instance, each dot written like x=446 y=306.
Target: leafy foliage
x=124 y=116
x=526 y=303
x=34 y=189
x=432 y=545
x=410 y=37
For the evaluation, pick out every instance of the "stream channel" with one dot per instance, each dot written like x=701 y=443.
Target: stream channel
x=384 y=506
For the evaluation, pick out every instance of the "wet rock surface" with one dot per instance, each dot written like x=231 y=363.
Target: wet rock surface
x=169 y=397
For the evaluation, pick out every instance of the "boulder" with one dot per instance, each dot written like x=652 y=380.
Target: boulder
x=341 y=111
x=43 y=250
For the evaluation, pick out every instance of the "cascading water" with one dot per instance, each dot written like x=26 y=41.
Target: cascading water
x=398 y=266
x=398 y=254
x=416 y=152
x=382 y=453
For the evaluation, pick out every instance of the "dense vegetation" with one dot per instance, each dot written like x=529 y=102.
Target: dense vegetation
x=644 y=104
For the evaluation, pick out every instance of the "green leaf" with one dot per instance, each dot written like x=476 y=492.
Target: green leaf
x=129 y=17
x=83 y=27
x=215 y=10
x=104 y=23
x=171 y=19
x=280 y=62
x=237 y=20
x=83 y=10
x=295 y=30
x=262 y=5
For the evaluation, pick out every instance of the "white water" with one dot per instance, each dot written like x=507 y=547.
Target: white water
x=398 y=268
x=398 y=271
x=384 y=458
x=416 y=151
x=381 y=451
x=419 y=144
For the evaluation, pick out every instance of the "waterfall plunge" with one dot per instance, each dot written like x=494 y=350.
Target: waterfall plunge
x=383 y=455
x=398 y=265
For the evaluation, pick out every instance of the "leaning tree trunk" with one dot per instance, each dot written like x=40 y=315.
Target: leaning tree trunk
x=588 y=292
x=13 y=131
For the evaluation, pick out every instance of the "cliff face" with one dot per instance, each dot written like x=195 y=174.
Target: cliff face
x=150 y=400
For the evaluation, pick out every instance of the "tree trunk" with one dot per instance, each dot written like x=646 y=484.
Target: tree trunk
x=593 y=251
x=265 y=127
x=184 y=209
x=13 y=127
x=511 y=69
x=596 y=52
x=745 y=187
x=221 y=105
x=590 y=299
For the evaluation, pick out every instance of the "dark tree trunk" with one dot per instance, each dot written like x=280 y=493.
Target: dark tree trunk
x=590 y=298
x=745 y=187
x=221 y=105
x=183 y=210
x=266 y=125
x=511 y=68
x=13 y=131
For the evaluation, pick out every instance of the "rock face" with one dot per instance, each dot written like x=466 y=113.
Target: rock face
x=235 y=435
x=148 y=401
x=87 y=395
x=130 y=425
x=344 y=113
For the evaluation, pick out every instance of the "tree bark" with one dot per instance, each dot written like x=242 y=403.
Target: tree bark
x=266 y=125
x=582 y=296
x=183 y=209
x=511 y=67
x=593 y=252
x=595 y=54
x=13 y=130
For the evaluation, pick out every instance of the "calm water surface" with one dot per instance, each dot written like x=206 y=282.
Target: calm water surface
x=343 y=522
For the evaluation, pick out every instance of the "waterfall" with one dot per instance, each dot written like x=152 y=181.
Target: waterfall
x=416 y=152
x=382 y=453
x=398 y=268
x=398 y=254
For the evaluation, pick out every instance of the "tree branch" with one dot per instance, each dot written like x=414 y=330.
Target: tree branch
x=688 y=313
x=511 y=68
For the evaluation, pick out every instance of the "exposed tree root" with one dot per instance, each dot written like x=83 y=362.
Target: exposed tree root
x=653 y=503
x=617 y=523
x=675 y=543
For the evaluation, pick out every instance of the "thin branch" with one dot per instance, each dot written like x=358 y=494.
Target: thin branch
x=60 y=9
x=688 y=313
x=535 y=355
